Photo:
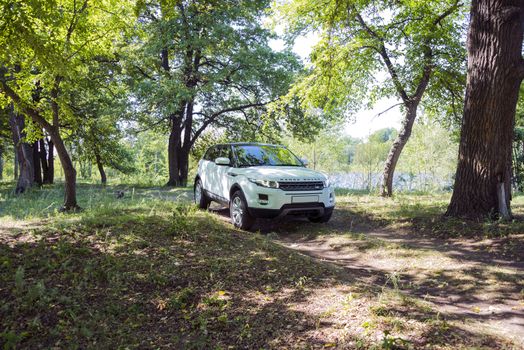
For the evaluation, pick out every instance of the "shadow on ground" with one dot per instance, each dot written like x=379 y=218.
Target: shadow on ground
x=167 y=276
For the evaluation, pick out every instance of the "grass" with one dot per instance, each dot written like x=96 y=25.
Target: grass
x=424 y=213
x=150 y=271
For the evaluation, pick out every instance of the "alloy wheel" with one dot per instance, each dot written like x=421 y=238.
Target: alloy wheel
x=237 y=211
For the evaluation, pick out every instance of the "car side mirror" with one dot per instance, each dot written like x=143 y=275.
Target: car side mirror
x=304 y=161
x=222 y=161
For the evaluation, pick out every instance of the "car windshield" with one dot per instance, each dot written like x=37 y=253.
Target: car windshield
x=257 y=155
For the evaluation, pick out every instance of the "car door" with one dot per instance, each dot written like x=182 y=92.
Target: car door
x=208 y=169
x=223 y=183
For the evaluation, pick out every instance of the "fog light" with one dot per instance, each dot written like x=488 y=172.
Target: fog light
x=263 y=198
x=331 y=197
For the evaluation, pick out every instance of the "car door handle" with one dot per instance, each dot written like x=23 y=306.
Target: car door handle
x=232 y=174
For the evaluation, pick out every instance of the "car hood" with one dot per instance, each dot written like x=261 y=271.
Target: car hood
x=283 y=173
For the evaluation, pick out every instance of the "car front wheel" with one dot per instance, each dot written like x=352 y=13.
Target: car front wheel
x=201 y=199
x=238 y=211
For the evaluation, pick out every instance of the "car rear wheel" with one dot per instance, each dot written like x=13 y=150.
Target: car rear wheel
x=240 y=216
x=322 y=218
x=201 y=199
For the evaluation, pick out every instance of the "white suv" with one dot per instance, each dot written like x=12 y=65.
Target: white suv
x=261 y=181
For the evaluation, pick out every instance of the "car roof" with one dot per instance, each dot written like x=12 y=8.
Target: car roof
x=247 y=144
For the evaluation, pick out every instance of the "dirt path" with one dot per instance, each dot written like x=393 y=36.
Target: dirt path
x=446 y=275
x=476 y=282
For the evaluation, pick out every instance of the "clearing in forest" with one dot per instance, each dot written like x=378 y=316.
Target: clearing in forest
x=147 y=271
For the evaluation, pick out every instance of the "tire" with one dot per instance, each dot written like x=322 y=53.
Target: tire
x=238 y=212
x=321 y=219
x=201 y=199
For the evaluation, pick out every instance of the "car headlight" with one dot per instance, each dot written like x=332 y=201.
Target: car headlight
x=326 y=183
x=265 y=183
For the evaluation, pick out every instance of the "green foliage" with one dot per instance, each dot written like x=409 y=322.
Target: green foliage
x=432 y=152
x=48 y=50
x=40 y=46
x=371 y=155
x=149 y=153
x=518 y=145
x=349 y=64
x=5 y=143
x=330 y=151
x=215 y=58
x=102 y=105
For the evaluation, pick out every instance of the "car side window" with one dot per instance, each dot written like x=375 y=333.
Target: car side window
x=211 y=154
x=225 y=151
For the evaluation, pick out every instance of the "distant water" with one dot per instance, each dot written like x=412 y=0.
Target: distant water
x=401 y=181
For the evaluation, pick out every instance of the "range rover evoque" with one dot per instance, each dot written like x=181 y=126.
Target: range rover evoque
x=261 y=181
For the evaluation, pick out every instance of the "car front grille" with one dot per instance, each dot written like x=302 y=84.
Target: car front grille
x=300 y=185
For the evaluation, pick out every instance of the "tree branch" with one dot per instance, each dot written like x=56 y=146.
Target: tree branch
x=385 y=56
x=74 y=21
x=54 y=96
x=33 y=113
x=388 y=109
x=215 y=115
x=426 y=75
x=446 y=13
x=141 y=71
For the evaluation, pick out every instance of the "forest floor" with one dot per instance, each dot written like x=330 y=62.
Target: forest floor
x=149 y=271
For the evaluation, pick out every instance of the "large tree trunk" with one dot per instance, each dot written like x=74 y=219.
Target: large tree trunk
x=396 y=149
x=495 y=69
x=103 y=177
x=24 y=153
x=178 y=157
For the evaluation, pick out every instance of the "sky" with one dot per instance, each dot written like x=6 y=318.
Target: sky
x=365 y=122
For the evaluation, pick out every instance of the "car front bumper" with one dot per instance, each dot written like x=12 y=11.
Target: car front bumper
x=306 y=209
x=265 y=202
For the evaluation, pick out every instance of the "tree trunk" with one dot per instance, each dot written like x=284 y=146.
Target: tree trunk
x=103 y=177
x=173 y=150
x=67 y=164
x=69 y=172
x=495 y=71
x=36 y=164
x=183 y=159
x=15 y=164
x=51 y=161
x=24 y=153
x=183 y=165
x=396 y=149
x=43 y=161
x=178 y=160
